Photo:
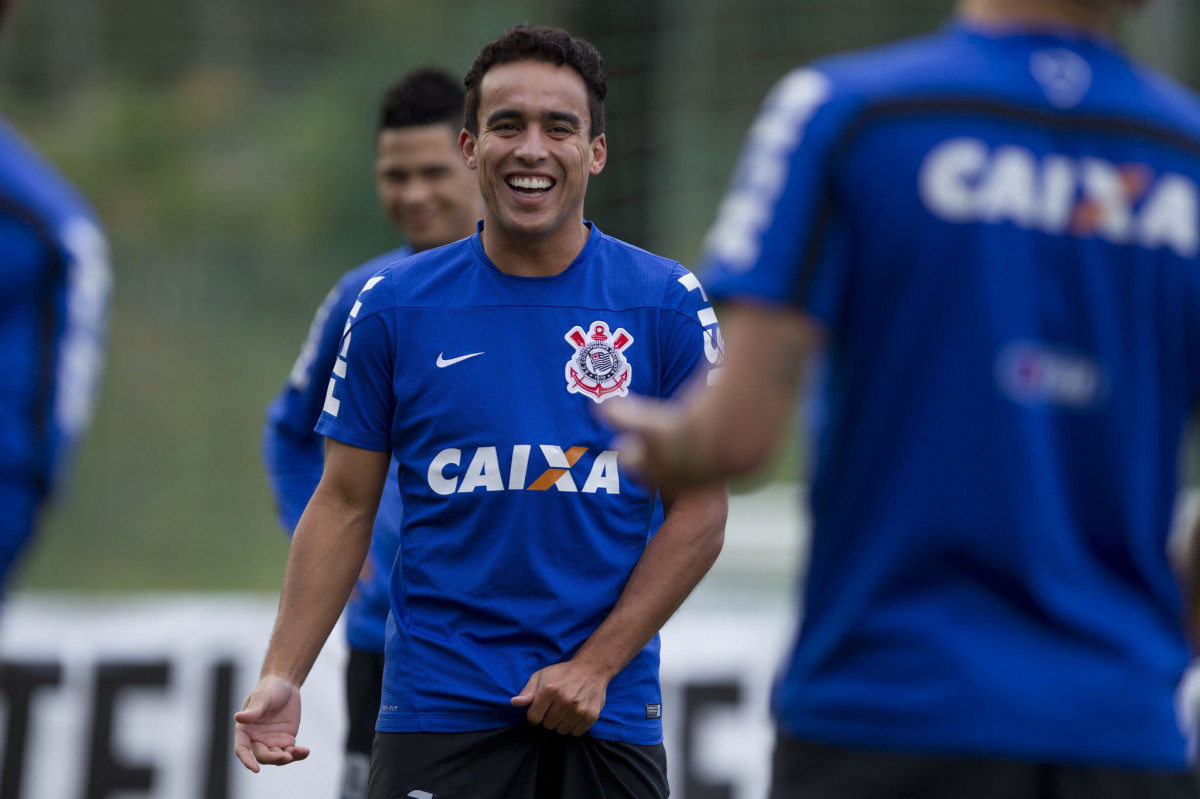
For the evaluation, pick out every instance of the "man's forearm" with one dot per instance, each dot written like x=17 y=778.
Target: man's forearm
x=732 y=428
x=673 y=563
x=326 y=555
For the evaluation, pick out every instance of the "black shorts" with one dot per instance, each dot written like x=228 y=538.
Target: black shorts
x=521 y=762
x=364 y=685
x=803 y=770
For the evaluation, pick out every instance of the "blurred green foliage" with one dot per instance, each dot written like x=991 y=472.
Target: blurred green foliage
x=228 y=148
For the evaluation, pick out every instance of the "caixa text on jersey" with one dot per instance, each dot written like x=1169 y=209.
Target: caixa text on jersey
x=527 y=467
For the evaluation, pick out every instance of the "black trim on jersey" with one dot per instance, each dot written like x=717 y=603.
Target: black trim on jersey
x=57 y=263
x=815 y=243
x=979 y=107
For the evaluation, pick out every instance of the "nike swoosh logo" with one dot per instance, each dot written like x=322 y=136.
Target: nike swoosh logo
x=443 y=362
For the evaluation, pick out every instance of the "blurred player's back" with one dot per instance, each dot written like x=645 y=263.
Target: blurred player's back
x=1003 y=245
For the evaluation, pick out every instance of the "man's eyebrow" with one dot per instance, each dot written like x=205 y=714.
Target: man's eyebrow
x=504 y=113
x=563 y=116
x=553 y=116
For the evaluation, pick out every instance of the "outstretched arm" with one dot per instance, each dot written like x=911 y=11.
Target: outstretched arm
x=326 y=555
x=731 y=428
x=568 y=697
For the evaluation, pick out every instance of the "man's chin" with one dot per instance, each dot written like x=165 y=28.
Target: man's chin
x=531 y=227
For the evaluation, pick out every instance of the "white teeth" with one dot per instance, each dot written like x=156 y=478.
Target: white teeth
x=530 y=183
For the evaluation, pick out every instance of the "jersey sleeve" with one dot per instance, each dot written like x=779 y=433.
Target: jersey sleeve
x=25 y=257
x=293 y=452
x=84 y=338
x=360 y=398
x=773 y=237
x=693 y=344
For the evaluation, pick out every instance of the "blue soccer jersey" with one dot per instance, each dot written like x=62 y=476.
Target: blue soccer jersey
x=520 y=527
x=294 y=454
x=54 y=294
x=1000 y=235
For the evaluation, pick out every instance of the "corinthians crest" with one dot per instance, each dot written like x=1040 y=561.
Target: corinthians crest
x=598 y=368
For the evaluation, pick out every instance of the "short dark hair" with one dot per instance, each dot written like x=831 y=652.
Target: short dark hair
x=425 y=96
x=536 y=43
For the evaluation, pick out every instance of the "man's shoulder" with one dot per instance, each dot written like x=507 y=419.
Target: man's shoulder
x=816 y=102
x=1172 y=104
x=1048 y=75
x=637 y=271
x=898 y=67
x=429 y=277
x=617 y=252
x=32 y=187
x=637 y=278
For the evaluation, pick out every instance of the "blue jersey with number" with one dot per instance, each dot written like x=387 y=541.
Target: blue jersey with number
x=520 y=526
x=54 y=293
x=1000 y=234
x=294 y=454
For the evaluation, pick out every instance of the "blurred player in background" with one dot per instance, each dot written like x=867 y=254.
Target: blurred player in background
x=523 y=652
x=55 y=283
x=993 y=233
x=432 y=198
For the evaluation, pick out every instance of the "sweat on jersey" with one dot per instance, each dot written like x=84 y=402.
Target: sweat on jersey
x=520 y=528
x=1000 y=234
x=293 y=454
x=54 y=293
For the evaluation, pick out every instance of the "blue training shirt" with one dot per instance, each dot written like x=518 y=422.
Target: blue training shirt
x=55 y=283
x=294 y=454
x=520 y=528
x=1000 y=234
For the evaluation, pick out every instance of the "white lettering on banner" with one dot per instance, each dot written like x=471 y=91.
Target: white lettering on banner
x=964 y=180
x=332 y=403
x=107 y=699
x=485 y=472
x=762 y=173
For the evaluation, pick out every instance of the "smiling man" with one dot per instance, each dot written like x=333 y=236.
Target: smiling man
x=528 y=594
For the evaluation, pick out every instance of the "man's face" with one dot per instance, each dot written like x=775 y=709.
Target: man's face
x=533 y=152
x=424 y=186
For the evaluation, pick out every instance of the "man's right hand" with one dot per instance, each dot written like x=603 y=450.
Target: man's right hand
x=267 y=725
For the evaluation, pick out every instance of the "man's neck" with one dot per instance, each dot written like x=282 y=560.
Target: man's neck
x=533 y=257
x=1092 y=16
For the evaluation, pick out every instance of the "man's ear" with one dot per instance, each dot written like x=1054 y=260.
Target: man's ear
x=466 y=145
x=599 y=154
